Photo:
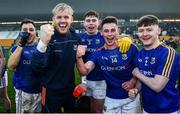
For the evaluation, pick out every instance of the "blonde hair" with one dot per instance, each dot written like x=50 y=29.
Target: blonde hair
x=61 y=7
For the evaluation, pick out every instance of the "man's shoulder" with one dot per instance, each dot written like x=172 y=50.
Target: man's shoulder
x=75 y=36
x=164 y=49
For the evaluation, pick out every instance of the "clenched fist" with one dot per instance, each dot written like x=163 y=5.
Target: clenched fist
x=81 y=50
x=46 y=32
x=133 y=93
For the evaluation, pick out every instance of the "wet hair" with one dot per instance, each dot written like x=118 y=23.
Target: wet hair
x=109 y=19
x=147 y=20
x=91 y=13
x=61 y=7
x=26 y=21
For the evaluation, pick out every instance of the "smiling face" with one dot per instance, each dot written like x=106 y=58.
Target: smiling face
x=29 y=27
x=91 y=24
x=149 y=35
x=109 y=32
x=63 y=20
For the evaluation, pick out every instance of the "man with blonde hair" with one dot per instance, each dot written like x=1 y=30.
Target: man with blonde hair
x=55 y=59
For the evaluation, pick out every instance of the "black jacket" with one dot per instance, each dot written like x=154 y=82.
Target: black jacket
x=56 y=65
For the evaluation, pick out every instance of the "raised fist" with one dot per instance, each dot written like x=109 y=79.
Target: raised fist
x=46 y=32
x=81 y=50
x=23 y=37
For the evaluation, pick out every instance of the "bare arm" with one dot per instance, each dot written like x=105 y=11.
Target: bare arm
x=129 y=84
x=83 y=68
x=157 y=83
x=14 y=58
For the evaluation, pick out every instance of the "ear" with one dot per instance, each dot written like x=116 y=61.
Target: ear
x=37 y=34
x=99 y=22
x=119 y=29
x=159 y=30
x=72 y=19
x=53 y=18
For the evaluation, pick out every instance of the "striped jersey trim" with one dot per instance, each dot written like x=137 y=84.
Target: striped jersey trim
x=169 y=62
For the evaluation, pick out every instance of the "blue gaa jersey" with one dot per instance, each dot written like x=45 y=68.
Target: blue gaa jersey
x=93 y=43
x=24 y=78
x=117 y=69
x=162 y=61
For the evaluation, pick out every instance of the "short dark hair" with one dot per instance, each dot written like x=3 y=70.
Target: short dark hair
x=92 y=13
x=147 y=20
x=109 y=19
x=26 y=21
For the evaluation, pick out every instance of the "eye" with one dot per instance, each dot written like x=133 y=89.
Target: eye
x=66 y=17
x=94 y=20
x=149 y=29
x=58 y=17
x=105 y=31
x=113 y=30
x=25 y=29
x=31 y=29
x=140 y=30
x=88 y=20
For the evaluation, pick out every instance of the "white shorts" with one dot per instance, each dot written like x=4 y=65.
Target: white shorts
x=96 y=89
x=27 y=102
x=127 y=106
x=4 y=80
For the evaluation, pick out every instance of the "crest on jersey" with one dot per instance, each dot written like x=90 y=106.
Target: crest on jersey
x=153 y=60
x=124 y=57
x=139 y=60
x=97 y=41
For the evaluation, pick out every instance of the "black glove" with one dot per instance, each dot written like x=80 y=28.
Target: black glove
x=23 y=37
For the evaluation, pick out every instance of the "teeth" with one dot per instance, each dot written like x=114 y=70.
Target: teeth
x=62 y=25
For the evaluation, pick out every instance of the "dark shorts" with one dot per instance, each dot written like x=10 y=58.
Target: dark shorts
x=59 y=101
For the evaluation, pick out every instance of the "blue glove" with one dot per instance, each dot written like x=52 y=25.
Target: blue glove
x=23 y=37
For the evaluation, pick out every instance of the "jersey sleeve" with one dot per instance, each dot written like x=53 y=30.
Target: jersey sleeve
x=13 y=49
x=167 y=62
x=39 y=61
x=134 y=55
x=93 y=57
x=81 y=39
